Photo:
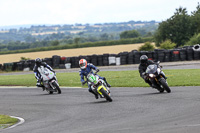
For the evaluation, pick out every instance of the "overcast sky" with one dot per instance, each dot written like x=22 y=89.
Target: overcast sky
x=18 y=12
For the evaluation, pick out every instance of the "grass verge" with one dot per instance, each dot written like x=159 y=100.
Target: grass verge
x=6 y=121
x=185 y=77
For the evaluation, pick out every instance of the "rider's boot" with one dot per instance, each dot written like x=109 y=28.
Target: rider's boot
x=107 y=82
x=38 y=84
x=96 y=95
x=43 y=88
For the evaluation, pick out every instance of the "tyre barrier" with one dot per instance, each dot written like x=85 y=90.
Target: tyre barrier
x=56 y=61
x=167 y=56
x=196 y=49
x=123 y=58
x=183 y=54
x=94 y=59
x=112 y=59
x=100 y=60
x=187 y=53
x=105 y=60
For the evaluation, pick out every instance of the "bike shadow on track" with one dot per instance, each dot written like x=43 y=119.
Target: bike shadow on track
x=154 y=93
x=46 y=94
x=99 y=102
x=141 y=94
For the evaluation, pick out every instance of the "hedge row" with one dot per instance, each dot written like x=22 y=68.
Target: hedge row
x=83 y=45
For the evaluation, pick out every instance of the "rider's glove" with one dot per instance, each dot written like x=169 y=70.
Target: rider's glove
x=97 y=70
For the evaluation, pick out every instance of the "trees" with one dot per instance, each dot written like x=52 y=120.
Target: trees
x=147 y=47
x=196 y=20
x=194 y=40
x=129 y=34
x=167 y=45
x=54 y=43
x=177 y=28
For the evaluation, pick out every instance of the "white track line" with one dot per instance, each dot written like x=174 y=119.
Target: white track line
x=21 y=120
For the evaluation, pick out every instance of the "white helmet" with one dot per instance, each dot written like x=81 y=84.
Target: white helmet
x=82 y=63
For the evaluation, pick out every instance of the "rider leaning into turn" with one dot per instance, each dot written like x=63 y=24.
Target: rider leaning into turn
x=144 y=63
x=38 y=63
x=85 y=70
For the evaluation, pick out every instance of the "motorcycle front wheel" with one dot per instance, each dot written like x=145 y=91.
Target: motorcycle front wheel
x=57 y=87
x=105 y=94
x=165 y=85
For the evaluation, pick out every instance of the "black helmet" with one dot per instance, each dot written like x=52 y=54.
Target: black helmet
x=143 y=59
x=38 y=61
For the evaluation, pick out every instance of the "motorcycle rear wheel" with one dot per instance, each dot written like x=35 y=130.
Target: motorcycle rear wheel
x=165 y=85
x=105 y=94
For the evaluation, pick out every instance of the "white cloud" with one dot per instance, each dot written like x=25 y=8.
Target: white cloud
x=87 y=11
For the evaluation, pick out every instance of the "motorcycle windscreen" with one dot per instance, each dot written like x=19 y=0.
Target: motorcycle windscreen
x=48 y=75
x=151 y=69
x=92 y=78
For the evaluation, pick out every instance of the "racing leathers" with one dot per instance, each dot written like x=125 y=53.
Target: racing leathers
x=142 y=69
x=84 y=72
x=38 y=75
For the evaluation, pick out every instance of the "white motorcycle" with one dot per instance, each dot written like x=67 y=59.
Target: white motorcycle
x=49 y=80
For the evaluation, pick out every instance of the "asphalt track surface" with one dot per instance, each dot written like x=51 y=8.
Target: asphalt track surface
x=133 y=110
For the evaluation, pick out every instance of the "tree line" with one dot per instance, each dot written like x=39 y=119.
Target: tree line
x=181 y=28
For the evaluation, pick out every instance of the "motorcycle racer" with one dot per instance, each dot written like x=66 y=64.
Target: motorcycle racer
x=86 y=68
x=38 y=63
x=144 y=63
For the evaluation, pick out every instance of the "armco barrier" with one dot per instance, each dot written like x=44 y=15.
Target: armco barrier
x=182 y=54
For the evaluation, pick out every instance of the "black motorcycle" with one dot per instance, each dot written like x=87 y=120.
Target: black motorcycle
x=157 y=77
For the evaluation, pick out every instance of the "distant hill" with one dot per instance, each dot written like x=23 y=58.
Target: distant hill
x=96 y=32
x=15 y=27
x=35 y=36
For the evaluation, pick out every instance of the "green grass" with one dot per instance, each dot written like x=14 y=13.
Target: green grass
x=185 y=77
x=6 y=121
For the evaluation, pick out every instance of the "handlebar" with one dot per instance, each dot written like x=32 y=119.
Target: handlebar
x=90 y=72
x=96 y=71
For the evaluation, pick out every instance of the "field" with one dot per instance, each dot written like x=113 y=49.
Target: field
x=184 y=77
x=70 y=52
